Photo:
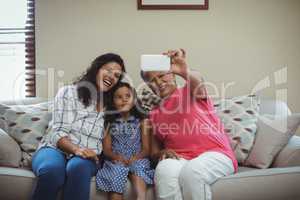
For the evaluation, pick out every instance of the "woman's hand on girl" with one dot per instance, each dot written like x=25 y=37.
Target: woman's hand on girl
x=86 y=153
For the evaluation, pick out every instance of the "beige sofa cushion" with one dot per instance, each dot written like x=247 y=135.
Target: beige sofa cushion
x=15 y=184
x=247 y=184
x=23 y=180
x=259 y=184
x=290 y=154
x=272 y=136
x=10 y=152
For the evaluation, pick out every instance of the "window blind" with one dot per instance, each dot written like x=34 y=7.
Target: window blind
x=30 y=74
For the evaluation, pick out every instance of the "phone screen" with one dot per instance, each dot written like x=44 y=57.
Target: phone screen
x=155 y=63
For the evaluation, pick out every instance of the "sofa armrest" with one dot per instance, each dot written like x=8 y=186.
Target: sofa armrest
x=290 y=155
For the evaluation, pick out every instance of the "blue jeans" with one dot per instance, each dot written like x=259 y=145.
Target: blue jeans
x=54 y=172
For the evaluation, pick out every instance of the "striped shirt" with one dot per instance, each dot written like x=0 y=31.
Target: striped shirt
x=83 y=126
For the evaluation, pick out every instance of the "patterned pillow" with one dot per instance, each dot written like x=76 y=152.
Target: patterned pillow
x=26 y=124
x=148 y=99
x=239 y=115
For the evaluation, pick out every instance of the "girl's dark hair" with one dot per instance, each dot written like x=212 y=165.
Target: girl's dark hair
x=112 y=114
x=89 y=77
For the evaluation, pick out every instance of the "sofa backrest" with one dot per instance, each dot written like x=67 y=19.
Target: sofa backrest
x=267 y=106
x=27 y=101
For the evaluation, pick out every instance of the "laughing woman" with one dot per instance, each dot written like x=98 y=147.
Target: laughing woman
x=68 y=154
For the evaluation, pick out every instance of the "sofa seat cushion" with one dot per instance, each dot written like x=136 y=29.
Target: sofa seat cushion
x=17 y=183
x=247 y=184
x=128 y=195
x=259 y=184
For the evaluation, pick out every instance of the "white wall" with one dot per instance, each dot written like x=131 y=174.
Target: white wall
x=240 y=41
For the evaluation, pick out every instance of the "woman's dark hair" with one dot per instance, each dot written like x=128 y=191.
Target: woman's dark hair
x=112 y=114
x=89 y=77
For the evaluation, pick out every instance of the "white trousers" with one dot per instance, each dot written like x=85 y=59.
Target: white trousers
x=190 y=179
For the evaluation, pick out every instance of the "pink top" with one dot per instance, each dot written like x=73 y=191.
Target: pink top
x=190 y=127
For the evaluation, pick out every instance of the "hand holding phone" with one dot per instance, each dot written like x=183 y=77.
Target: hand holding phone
x=155 y=63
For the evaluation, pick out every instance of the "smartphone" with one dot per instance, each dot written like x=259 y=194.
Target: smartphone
x=155 y=63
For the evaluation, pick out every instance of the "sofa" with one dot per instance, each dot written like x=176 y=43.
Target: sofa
x=279 y=182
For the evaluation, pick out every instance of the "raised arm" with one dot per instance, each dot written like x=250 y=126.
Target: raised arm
x=180 y=68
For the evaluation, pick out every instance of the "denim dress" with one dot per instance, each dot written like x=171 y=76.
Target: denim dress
x=126 y=141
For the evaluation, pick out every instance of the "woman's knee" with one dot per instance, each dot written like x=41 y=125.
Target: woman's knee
x=50 y=169
x=189 y=174
x=80 y=166
x=53 y=173
x=168 y=168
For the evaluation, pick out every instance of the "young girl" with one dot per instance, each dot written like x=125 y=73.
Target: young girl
x=125 y=145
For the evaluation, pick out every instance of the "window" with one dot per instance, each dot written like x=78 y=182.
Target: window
x=17 y=49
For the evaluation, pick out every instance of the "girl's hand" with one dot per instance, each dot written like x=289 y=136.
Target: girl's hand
x=86 y=153
x=178 y=62
x=120 y=159
x=133 y=159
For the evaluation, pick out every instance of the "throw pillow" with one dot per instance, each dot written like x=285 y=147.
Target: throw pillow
x=148 y=100
x=26 y=124
x=10 y=152
x=239 y=116
x=272 y=137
